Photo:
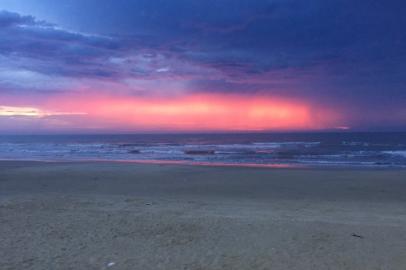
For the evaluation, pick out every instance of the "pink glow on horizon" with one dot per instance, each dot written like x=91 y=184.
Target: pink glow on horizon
x=195 y=113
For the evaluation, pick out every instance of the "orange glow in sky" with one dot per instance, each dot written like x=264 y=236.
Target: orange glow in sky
x=197 y=113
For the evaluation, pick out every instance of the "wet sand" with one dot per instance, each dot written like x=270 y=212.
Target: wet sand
x=133 y=216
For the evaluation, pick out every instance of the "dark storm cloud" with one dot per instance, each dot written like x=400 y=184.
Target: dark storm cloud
x=8 y=19
x=38 y=46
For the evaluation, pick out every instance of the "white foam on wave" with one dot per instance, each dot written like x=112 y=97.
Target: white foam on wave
x=278 y=144
x=401 y=153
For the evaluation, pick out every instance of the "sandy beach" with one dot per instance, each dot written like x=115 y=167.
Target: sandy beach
x=138 y=216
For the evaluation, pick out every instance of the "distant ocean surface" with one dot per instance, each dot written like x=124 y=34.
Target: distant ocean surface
x=274 y=150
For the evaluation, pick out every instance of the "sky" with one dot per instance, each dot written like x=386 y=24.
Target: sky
x=90 y=66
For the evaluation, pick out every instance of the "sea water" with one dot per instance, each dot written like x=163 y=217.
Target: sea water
x=263 y=149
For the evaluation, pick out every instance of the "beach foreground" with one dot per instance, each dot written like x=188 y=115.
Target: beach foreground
x=137 y=216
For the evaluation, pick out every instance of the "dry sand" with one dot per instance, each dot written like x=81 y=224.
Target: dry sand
x=129 y=216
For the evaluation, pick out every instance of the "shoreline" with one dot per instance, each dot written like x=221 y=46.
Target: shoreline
x=288 y=166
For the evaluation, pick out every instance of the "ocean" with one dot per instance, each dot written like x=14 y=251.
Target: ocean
x=242 y=149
